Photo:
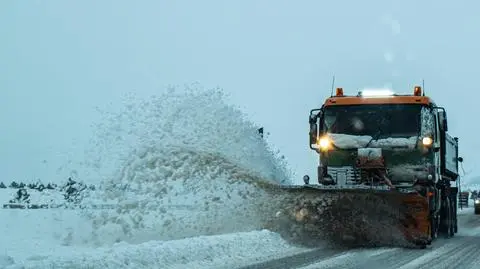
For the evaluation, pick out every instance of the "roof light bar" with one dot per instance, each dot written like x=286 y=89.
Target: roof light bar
x=376 y=93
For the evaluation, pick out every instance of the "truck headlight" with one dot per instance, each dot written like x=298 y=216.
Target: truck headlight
x=477 y=201
x=324 y=143
x=427 y=141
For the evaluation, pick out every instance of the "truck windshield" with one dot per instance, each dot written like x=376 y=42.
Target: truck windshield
x=379 y=121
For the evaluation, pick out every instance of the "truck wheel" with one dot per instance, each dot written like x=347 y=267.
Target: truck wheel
x=446 y=218
x=452 y=219
x=434 y=225
x=455 y=215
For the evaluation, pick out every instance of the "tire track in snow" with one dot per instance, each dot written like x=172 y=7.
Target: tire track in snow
x=403 y=257
x=462 y=255
x=298 y=260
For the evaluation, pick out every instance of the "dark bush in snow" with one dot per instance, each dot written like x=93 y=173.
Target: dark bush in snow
x=73 y=191
x=22 y=197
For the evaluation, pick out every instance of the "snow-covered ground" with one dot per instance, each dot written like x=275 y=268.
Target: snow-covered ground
x=43 y=239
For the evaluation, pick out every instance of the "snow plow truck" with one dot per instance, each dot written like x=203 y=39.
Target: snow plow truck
x=386 y=157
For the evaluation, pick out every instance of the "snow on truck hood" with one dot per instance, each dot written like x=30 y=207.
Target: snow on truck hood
x=345 y=141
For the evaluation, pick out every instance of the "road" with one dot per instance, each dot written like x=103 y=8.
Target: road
x=461 y=251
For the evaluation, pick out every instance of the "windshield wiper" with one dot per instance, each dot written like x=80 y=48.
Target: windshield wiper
x=379 y=132
x=377 y=135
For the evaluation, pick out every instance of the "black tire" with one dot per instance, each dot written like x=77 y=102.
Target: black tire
x=446 y=226
x=451 y=230
x=455 y=215
x=434 y=226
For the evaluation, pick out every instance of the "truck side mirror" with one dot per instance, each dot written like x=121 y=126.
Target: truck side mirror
x=442 y=118
x=313 y=121
x=445 y=122
x=320 y=124
x=313 y=132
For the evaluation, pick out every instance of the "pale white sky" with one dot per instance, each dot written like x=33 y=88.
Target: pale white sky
x=58 y=59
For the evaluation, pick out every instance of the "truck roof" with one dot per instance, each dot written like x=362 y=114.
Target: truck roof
x=384 y=97
x=359 y=100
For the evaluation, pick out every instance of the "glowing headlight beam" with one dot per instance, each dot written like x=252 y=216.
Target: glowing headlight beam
x=324 y=142
x=427 y=141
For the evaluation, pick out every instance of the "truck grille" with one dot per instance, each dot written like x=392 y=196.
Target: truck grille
x=347 y=175
x=344 y=175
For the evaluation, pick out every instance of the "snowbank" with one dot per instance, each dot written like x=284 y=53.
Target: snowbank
x=220 y=251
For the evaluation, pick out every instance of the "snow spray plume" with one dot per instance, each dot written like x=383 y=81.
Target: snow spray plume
x=189 y=165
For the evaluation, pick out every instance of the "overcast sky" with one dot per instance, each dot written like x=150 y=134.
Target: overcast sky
x=59 y=59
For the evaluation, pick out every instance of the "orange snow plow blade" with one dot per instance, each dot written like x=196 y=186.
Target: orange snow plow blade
x=310 y=214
